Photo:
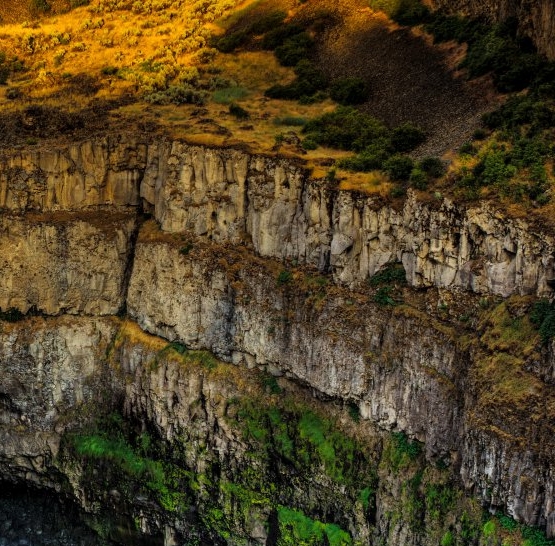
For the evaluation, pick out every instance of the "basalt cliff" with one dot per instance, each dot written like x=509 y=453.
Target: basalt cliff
x=222 y=349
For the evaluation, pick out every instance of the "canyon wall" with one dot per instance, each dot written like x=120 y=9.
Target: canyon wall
x=272 y=206
x=536 y=18
x=251 y=259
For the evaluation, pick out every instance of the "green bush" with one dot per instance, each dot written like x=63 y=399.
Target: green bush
x=277 y=36
x=291 y=121
x=309 y=80
x=418 y=179
x=406 y=137
x=177 y=94
x=40 y=6
x=109 y=70
x=391 y=273
x=229 y=42
x=432 y=166
x=238 y=111
x=11 y=315
x=404 y=12
x=294 y=49
x=229 y=94
x=348 y=91
x=285 y=276
x=346 y=129
x=399 y=167
x=543 y=317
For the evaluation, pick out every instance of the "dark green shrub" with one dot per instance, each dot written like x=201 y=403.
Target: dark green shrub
x=231 y=41
x=291 y=121
x=309 y=144
x=404 y=12
x=238 y=111
x=393 y=273
x=432 y=166
x=406 y=137
x=277 y=36
x=78 y=3
x=398 y=167
x=543 y=317
x=109 y=70
x=177 y=94
x=294 y=49
x=12 y=315
x=349 y=91
x=310 y=79
x=4 y=74
x=40 y=6
x=184 y=250
x=346 y=129
x=418 y=179
x=285 y=276
x=372 y=158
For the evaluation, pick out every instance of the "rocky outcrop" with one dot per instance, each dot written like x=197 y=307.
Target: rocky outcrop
x=65 y=263
x=536 y=18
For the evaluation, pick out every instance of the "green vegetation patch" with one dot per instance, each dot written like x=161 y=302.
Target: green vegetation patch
x=543 y=318
x=297 y=529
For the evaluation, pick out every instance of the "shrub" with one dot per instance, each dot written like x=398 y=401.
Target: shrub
x=238 y=112
x=391 y=273
x=291 y=121
x=294 y=49
x=231 y=41
x=406 y=137
x=398 y=167
x=418 y=179
x=285 y=276
x=227 y=95
x=349 y=91
x=40 y=6
x=109 y=70
x=543 y=317
x=432 y=166
x=177 y=94
x=277 y=36
x=309 y=80
x=4 y=74
x=404 y=12
x=346 y=129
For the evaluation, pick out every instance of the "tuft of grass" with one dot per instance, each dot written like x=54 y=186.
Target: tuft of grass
x=229 y=95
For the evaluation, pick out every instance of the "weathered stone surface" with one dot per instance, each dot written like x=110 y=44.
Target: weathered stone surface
x=65 y=263
x=101 y=172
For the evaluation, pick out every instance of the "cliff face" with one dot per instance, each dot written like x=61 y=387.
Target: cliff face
x=268 y=270
x=536 y=18
x=272 y=206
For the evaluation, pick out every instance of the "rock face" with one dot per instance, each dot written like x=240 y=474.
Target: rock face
x=536 y=18
x=272 y=206
x=249 y=258
x=65 y=263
